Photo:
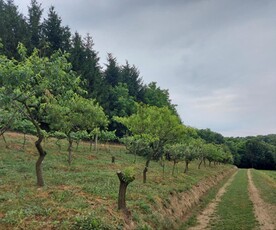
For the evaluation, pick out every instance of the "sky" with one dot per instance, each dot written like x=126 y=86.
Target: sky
x=217 y=58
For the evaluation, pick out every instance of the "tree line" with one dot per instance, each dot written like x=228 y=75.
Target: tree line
x=248 y=152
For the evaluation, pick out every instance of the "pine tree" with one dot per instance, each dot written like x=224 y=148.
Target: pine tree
x=112 y=71
x=55 y=35
x=91 y=69
x=34 y=25
x=13 y=28
x=130 y=76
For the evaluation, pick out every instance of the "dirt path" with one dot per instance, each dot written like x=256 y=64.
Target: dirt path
x=262 y=210
x=204 y=218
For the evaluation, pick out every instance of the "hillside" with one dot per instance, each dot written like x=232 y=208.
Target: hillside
x=85 y=193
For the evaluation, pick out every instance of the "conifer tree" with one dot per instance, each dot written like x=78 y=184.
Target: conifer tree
x=34 y=25
x=55 y=35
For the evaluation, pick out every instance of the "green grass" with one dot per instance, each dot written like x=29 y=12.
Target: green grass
x=84 y=193
x=204 y=201
x=265 y=181
x=235 y=211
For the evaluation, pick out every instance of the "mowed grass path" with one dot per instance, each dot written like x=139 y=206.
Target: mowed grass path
x=235 y=211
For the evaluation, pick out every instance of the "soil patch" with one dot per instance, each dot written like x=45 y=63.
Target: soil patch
x=263 y=211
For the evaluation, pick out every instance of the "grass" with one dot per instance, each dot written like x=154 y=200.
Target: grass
x=204 y=201
x=265 y=181
x=235 y=211
x=85 y=193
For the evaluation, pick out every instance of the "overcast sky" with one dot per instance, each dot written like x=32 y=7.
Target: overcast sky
x=217 y=58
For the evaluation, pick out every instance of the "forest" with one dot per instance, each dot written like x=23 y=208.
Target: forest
x=52 y=84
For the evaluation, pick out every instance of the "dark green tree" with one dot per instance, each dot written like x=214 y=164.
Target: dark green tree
x=91 y=70
x=34 y=25
x=13 y=28
x=55 y=36
x=77 y=53
x=130 y=76
x=112 y=71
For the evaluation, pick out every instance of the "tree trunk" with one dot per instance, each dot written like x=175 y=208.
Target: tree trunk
x=145 y=171
x=186 y=166
x=58 y=144
x=200 y=163
x=145 y=174
x=24 y=143
x=122 y=190
x=5 y=141
x=42 y=154
x=113 y=160
x=135 y=157
x=70 y=150
x=77 y=147
x=174 y=164
x=91 y=142
x=96 y=143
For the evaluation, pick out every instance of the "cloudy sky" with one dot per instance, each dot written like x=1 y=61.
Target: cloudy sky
x=217 y=58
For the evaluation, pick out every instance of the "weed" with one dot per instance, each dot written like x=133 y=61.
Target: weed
x=89 y=222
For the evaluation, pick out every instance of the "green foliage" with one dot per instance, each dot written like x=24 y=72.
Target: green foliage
x=154 y=96
x=137 y=144
x=74 y=114
x=31 y=84
x=129 y=174
x=107 y=136
x=156 y=126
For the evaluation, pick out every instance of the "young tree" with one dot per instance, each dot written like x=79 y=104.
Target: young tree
x=175 y=153
x=156 y=127
x=30 y=84
x=74 y=114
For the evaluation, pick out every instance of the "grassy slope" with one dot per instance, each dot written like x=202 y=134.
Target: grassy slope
x=235 y=211
x=85 y=192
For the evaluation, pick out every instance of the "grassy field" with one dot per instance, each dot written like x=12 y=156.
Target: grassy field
x=265 y=181
x=235 y=211
x=85 y=193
